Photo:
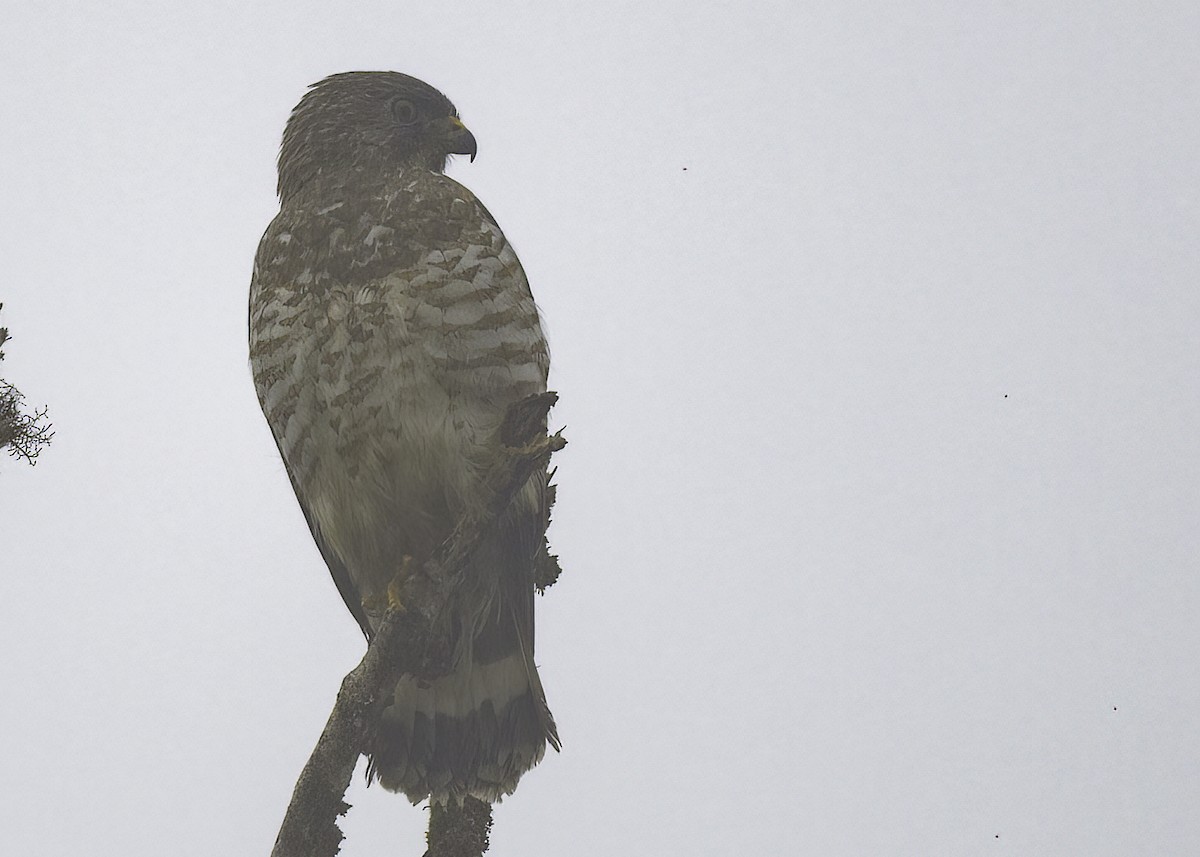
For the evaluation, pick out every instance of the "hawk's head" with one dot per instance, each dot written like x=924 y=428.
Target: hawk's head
x=363 y=121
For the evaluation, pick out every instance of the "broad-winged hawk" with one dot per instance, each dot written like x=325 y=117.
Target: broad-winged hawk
x=390 y=326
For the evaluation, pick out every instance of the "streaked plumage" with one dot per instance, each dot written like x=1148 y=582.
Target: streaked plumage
x=390 y=326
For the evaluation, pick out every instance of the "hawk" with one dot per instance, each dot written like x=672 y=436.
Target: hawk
x=391 y=324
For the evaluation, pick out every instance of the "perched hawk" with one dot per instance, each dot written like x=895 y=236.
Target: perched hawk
x=390 y=326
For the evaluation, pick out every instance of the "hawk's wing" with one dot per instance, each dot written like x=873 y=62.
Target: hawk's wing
x=337 y=569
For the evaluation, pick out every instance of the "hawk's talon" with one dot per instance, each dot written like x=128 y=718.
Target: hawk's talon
x=397 y=583
x=391 y=595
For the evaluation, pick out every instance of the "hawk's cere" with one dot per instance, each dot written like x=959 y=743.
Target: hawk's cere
x=390 y=326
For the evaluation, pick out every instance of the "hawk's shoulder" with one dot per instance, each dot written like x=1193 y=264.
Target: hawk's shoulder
x=357 y=234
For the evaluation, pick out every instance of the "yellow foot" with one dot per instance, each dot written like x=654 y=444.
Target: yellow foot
x=397 y=583
x=391 y=598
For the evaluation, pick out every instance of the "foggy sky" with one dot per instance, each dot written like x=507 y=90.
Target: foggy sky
x=874 y=328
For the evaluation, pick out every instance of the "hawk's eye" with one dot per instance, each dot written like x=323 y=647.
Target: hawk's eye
x=404 y=111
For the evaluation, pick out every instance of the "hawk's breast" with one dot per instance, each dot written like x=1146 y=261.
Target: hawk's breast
x=385 y=350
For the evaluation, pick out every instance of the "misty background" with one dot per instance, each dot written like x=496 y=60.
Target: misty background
x=875 y=330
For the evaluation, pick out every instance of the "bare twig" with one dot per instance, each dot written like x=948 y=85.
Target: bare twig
x=412 y=641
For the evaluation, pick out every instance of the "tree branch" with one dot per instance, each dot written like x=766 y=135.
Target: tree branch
x=412 y=641
x=459 y=831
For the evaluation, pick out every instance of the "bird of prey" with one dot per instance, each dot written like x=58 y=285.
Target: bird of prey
x=391 y=324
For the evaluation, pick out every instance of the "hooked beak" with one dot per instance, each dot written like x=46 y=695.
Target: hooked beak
x=460 y=140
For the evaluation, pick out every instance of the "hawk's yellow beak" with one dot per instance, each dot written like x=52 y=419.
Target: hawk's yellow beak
x=461 y=141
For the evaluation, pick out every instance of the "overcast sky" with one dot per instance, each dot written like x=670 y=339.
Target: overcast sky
x=875 y=327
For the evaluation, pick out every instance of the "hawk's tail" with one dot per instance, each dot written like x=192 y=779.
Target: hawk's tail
x=473 y=732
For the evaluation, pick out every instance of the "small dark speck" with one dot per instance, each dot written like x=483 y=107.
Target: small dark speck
x=1006 y=395
x=1114 y=708
x=685 y=169
x=997 y=835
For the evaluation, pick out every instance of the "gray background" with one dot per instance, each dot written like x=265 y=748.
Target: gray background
x=875 y=329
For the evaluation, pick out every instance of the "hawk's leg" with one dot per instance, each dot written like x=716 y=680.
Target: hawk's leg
x=391 y=597
x=397 y=583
